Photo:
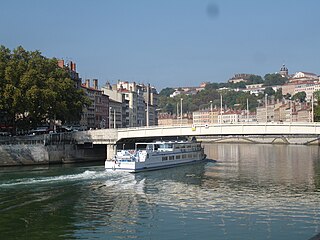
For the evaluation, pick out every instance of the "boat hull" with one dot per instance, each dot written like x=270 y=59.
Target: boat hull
x=134 y=167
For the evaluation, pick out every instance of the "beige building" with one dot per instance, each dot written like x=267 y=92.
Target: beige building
x=166 y=119
x=288 y=111
x=239 y=77
x=205 y=116
x=118 y=106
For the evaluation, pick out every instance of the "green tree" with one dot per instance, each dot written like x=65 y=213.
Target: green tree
x=166 y=92
x=274 y=79
x=300 y=96
x=317 y=107
x=269 y=91
x=254 y=79
x=33 y=89
x=278 y=94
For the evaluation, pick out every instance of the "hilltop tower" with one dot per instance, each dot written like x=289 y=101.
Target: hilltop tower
x=284 y=71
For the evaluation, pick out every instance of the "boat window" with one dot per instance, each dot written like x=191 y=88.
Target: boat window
x=189 y=155
x=188 y=146
x=184 y=156
x=171 y=157
x=178 y=157
x=164 y=158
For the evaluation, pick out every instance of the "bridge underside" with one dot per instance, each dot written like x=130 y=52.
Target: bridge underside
x=128 y=143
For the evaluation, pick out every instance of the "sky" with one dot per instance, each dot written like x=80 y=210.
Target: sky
x=168 y=43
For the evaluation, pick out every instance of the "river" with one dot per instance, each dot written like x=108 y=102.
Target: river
x=250 y=192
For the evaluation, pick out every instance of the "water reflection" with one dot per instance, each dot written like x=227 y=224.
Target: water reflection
x=286 y=165
x=251 y=192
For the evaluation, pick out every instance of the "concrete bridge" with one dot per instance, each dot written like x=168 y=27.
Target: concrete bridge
x=101 y=144
x=275 y=133
x=110 y=136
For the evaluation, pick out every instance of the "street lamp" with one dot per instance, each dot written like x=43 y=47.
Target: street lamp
x=181 y=99
x=211 y=112
x=114 y=118
x=220 y=108
x=110 y=117
x=247 y=110
x=266 y=103
x=312 y=108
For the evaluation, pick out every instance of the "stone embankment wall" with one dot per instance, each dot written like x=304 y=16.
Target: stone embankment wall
x=16 y=155
x=38 y=150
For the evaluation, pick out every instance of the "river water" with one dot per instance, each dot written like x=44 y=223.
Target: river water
x=251 y=192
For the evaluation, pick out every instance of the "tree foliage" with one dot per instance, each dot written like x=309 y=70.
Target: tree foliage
x=166 y=92
x=317 y=107
x=269 y=91
x=203 y=100
x=274 y=79
x=300 y=96
x=33 y=90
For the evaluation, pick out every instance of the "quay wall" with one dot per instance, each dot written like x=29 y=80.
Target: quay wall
x=39 y=154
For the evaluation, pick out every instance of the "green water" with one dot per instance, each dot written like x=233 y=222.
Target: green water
x=251 y=192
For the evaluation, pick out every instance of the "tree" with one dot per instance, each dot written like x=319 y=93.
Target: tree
x=254 y=79
x=300 y=96
x=166 y=92
x=33 y=89
x=317 y=107
x=278 y=94
x=274 y=79
x=269 y=91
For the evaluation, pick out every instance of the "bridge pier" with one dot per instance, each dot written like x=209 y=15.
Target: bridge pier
x=111 y=151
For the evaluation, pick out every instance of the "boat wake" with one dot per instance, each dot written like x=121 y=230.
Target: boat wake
x=86 y=175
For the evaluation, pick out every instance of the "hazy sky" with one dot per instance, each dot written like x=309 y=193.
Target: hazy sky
x=168 y=43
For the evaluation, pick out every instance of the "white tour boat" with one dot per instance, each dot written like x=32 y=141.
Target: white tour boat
x=156 y=155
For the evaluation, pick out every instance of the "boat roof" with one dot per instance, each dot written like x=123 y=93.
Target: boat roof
x=165 y=142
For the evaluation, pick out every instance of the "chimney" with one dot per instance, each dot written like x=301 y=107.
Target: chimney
x=61 y=63
x=73 y=67
x=87 y=83
x=95 y=83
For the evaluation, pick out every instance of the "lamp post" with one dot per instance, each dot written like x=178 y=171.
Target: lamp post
x=110 y=117
x=312 y=109
x=266 y=103
x=211 y=112
x=247 y=110
x=220 y=108
x=181 y=110
x=114 y=118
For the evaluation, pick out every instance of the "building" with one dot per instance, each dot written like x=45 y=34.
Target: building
x=304 y=76
x=141 y=103
x=189 y=90
x=166 y=119
x=286 y=111
x=239 y=77
x=71 y=68
x=229 y=116
x=118 y=106
x=96 y=115
x=284 y=71
x=205 y=116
